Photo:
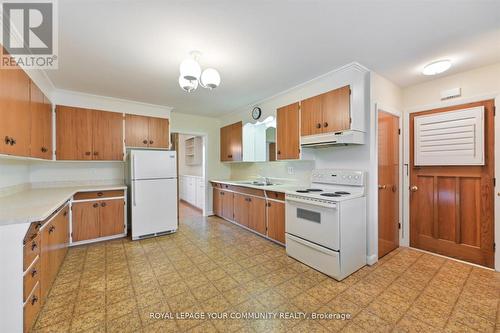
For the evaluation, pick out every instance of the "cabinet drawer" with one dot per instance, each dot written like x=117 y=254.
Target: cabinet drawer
x=31 y=308
x=31 y=250
x=98 y=194
x=31 y=277
x=275 y=195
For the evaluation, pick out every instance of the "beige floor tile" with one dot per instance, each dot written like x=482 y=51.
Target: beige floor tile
x=127 y=323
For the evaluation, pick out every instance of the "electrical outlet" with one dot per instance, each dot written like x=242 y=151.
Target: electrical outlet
x=290 y=171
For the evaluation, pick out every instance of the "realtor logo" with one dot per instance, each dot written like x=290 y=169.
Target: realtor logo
x=29 y=34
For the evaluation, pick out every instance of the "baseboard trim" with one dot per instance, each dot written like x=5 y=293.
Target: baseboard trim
x=372 y=259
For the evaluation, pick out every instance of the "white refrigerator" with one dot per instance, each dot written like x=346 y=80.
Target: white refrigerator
x=153 y=192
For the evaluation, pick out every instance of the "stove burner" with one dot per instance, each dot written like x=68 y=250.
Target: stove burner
x=314 y=190
x=342 y=192
x=302 y=191
x=330 y=194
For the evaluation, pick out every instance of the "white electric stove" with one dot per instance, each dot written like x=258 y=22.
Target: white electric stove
x=326 y=222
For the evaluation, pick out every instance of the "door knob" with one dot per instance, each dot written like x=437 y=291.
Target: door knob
x=382 y=187
x=414 y=188
x=145 y=142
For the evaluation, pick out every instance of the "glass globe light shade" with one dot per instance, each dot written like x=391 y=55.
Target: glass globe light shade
x=190 y=69
x=210 y=78
x=188 y=85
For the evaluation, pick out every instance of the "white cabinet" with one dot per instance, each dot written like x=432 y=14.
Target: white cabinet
x=192 y=190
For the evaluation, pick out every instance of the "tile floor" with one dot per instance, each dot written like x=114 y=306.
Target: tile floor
x=213 y=266
x=188 y=211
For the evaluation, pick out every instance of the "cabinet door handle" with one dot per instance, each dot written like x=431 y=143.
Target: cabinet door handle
x=325 y=124
x=95 y=205
x=51 y=230
x=103 y=204
x=151 y=142
x=12 y=141
x=230 y=156
x=38 y=225
x=44 y=150
x=145 y=142
x=100 y=194
x=34 y=299
x=33 y=246
x=7 y=140
x=318 y=125
x=34 y=272
x=279 y=152
x=96 y=153
x=65 y=213
x=87 y=153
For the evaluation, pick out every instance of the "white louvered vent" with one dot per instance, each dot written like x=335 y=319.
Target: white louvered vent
x=450 y=138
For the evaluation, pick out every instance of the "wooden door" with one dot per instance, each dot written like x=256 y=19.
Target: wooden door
x=41 y=124
x=276 y=220
x=335 y=106
x=228 y=205
x=287 y=132
x=111 y=218
x=451 y=207
x=241 y=209
x=158 y=132
x=388 y=180
x=257 y=215
x=107 y=139
x=136 y=131
x=85 y=220
x=311 y=120
x=217 y=202
x=15 y=115
x=73 y=133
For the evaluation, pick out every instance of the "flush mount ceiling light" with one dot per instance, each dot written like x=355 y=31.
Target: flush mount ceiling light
x=437 y=67
x=191 y=74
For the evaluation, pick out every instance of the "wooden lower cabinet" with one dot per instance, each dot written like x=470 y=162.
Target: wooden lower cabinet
x=257 y=215
x=241 y=206
x=276 y=220
x=53 y=240
x=228 y=205
x=95 y=219
x=217 y=202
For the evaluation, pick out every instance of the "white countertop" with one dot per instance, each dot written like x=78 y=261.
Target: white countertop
x=37 y=204
x=276 y=188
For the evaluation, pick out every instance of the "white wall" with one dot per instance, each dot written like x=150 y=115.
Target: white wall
x=185 y=169
x=210 y=128
x=300 y=172
x=13 y=172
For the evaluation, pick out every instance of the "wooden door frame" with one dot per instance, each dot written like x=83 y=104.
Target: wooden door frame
x=392 y=111
x=207 y=209
x=406 y=159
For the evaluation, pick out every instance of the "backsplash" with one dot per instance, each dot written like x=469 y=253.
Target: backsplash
x=281 y=171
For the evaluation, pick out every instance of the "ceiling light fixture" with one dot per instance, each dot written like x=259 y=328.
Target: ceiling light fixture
x=437 y=67
x=191 y=75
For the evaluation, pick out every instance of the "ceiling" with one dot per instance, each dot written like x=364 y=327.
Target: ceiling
x=132 y=49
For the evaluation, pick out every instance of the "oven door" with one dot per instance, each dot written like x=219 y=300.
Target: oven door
x=317 y=222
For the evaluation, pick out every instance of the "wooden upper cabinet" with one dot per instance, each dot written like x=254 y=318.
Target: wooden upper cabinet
x=73 y=133
x=136 y=131
x=311 y=116
x=287 y=132
x=107 y=136
x=142 y=131
x=84 y=134
x=328 y=112
x=158 y=132
x=336 y=110
x=231 y=142
x=41 y=124
x=15 y=115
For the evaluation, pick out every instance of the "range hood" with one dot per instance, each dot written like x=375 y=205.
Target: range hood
x=348 y=137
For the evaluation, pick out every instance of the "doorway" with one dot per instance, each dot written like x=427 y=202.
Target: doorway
x=451 y=206
x=388 y=182
x=190 y=150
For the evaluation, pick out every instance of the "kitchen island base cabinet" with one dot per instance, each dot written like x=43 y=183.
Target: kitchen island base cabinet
x=96 y=215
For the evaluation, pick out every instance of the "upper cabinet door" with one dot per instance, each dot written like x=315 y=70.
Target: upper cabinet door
x=158 y=132
x=15 y=119
x=335 y=106
x=231 y=142
x=136 y=131
x=311 y=119
x=41 y=124
x=287 y=132
x=74 y=133
x=107 y=136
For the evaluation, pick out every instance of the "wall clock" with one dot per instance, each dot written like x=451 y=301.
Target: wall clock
x=256 y=113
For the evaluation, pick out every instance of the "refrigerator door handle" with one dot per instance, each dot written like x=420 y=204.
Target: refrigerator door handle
x=133 y=166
